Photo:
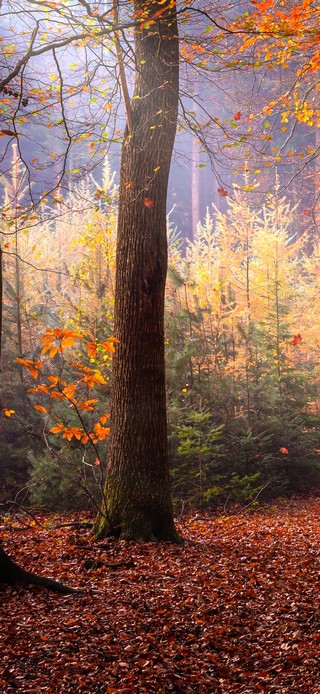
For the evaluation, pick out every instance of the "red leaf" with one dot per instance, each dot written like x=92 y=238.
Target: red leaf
x=148 y=202
x=222 y=192
x=237 y=116
x=296 y=339
x=283 y=450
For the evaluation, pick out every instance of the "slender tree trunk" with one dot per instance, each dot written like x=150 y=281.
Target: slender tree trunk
x=1 y=305
x=137 y=501
x=195 y=187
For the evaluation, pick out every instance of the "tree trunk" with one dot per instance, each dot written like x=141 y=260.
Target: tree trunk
x=137 y=501
x=12 y=574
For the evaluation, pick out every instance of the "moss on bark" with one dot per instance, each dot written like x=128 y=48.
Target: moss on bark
x=138 y=523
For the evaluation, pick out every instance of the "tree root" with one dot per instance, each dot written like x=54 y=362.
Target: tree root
x=12 y=574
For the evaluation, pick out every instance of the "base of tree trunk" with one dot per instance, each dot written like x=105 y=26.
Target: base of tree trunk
x=12 y=574
x=139 y=529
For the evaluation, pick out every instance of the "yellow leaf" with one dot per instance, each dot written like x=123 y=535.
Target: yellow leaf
x=98 y=378
x=8 y=413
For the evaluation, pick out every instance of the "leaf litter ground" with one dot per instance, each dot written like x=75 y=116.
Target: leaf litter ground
x=234 y=609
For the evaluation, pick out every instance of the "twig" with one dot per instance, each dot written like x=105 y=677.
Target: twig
x=253 y=500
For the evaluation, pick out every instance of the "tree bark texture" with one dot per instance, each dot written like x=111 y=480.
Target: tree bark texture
x=137 y=503
x=12 y=574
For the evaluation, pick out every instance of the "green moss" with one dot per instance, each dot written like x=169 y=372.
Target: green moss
x=139 y=526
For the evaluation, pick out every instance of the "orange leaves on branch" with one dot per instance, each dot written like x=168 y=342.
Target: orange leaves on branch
x=69 y=391
x=57 y=340
x=92 y=376
x=69 y=432
x=158 y=14
x=31 y=365
x=92 y=349
x=99 y=433
x=72 y=394
x=277 y=35
x=106 y=345
x=54 y=380
x=87 y=405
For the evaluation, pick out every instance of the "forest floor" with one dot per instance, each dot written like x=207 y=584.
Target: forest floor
x=234 y=609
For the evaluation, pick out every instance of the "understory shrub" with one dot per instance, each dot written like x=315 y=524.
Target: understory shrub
x=62 y=483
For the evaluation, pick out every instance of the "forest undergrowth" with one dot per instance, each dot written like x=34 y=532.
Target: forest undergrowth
x=234 y=609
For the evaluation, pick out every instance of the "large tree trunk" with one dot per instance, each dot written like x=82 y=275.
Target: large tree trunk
x=137 y=502
x=12 y=574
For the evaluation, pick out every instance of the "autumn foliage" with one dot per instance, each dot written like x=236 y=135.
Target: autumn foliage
x=55 y=342
x=242 y=344
x=233 y=610
x=241 y=350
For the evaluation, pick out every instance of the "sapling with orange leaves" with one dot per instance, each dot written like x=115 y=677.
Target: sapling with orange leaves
x=75 y=395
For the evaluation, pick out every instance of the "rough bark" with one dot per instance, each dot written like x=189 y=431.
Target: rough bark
x=12 y=574
x=137 y=503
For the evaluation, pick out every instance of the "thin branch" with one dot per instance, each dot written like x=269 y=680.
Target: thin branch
x=122 y=72
x=254 y=499
x=31 y=53
x=39 y=269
